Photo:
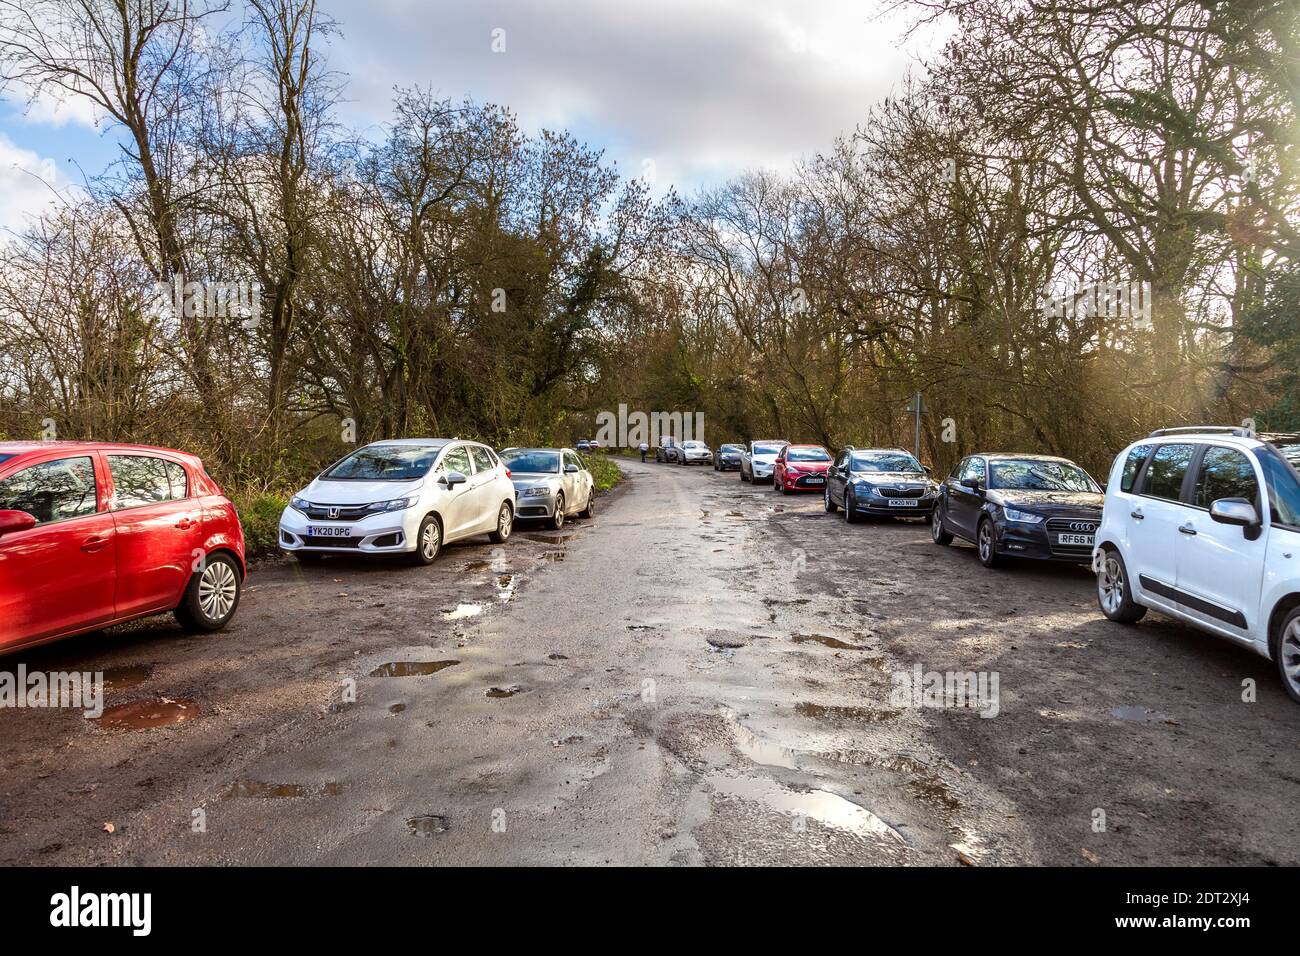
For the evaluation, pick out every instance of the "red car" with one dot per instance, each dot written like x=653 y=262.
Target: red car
x=93 y=534
x=800 y=468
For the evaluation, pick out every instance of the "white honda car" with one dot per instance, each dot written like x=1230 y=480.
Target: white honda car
x=1203 y=524
x=408 y=496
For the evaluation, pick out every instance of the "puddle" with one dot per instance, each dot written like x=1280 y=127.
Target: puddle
x=726 y=643
x=552 y=538
x=475 y=566
x=508 y=691
x=505 y=587
x=823 y=806
x=148 y=713
x=396 y=708
x=1144 y=714
x=868 y=715
x=462 y=611
x=757 y=749
x=118 y=678
x=827 y=641
x=265 y=791
x=557 y=657
x=427 y=825
x=411 y=668
x=551 y=557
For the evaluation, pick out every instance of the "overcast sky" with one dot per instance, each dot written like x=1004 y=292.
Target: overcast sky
x=700 y=89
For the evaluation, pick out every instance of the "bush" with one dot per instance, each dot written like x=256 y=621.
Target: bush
x=605 y=472
x=259 y=513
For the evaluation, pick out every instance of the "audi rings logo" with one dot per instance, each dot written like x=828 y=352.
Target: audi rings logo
x=1088 y=526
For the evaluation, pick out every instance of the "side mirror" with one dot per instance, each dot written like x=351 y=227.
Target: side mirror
x=571 y=469
x=928 y=469
x=11 y=521
x=454 y=478
x=1237 y=512
x=972 y=483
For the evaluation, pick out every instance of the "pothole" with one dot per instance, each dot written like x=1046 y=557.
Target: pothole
x=462 y=611
x=148 y=713
x=411 y=668
x=868 y=715
x=265 y=791
x=825 y=807
x=427 y=825
x=827 y=641
x=507 y=691
x=129 y=675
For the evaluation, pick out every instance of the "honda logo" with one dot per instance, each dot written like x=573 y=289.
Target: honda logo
x=334 y=512
x=1083 y=526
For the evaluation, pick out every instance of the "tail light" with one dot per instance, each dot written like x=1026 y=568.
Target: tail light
x=508 y=475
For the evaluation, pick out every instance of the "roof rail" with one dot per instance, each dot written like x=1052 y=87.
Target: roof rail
x=1202 y=429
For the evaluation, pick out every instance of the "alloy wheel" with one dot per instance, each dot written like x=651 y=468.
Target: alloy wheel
x=217 y=589
x=1110 y=584
x=1289 y=651
x=429 y=541
x=986 y=540
x=503 y=522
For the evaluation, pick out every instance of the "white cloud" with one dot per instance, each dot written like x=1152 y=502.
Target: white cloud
x=704 y=87
x=29 y=185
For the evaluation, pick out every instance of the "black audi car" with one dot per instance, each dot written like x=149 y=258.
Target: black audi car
x=879 y=481
x=1021 y=506
x=728 y=457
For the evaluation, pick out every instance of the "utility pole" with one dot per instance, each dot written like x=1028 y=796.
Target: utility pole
x=917 y=406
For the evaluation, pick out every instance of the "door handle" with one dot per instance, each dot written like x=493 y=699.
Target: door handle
x=93 y=544
x=1187 y=529
x=1137 y=515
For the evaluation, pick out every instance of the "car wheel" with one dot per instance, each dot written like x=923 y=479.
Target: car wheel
x=850 y=507
x=1287 y=653
x=212 y=596
x=428 y=541
x=988 y=552
x=590 y=509
x=505 y=522
x=742 y=475
x=557 y=520
x=1114 y=595
x=831 y=507
x=938 y=532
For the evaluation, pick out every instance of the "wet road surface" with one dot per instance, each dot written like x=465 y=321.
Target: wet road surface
x=701 y=674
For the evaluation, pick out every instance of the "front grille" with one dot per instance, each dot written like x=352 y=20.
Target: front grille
x=533 y=512
x=343 y=512
x=321 y=541
x=901 y=492
x=1059 y=526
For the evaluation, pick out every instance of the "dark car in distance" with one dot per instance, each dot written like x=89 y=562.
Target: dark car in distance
x=1023 y=506
x=728 y=457
x=889 y=482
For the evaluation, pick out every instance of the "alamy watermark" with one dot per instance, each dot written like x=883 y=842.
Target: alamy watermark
x=628 y=430
x=83 y=691
x=211 y=300
x=1117 y=300
x=946 y=690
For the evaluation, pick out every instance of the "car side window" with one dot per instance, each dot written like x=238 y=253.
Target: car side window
x=1283 y=489
x=1165 y=472
x=52 y=490
x=571 y=459
x=1225 y=473
x=482 y=460
x=140 y=480
x=974 y=468
x=457 y=459
x=1132 y=465
x=955 y=474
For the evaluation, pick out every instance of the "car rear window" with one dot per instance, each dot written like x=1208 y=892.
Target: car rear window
x=1165 y=472
x=140 y=480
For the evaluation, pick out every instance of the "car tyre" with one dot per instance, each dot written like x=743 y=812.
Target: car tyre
x=590 y=508
x=1114 y=595
x=938 y=533
x=505 y=523
x=831 y=506
x=212 y=596
x=557 y=519
x=428 y=541
x=985 y=544
x=850 y=507
x=1286 y=652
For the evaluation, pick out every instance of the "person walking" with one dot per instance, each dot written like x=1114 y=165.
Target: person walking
x=643 y=448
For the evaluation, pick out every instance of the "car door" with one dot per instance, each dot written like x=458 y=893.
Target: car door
x=486 y=499
x=575 y=492
x=837 y=478
x=460 y=514
x=964 y=503
x=1220 y=566
x=159 y=524
x=58 y=577
x=1158 y=512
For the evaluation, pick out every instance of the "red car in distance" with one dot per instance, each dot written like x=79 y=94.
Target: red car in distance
x=94 y=534
x=800 y=468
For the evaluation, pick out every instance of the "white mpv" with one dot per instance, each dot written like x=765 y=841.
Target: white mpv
x=1203 y=524
x=408 y=496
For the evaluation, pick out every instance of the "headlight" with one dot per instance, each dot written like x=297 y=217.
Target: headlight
x=299 y=504
x=1022 y=516
x=397 y=504
x=535 y=492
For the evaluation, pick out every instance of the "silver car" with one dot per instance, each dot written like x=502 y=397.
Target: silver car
x=757 y=462
x=695 y=452
x=550 y=483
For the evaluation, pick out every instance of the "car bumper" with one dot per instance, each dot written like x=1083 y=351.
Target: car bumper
x=1017 y=540
x=805 y=482
x=700 y=459
x=761 y=471
x=920 y=508
x=388 y=533
x=535 y=506
x=728 y=463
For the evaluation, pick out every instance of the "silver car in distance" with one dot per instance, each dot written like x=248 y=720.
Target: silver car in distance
x=550 y=483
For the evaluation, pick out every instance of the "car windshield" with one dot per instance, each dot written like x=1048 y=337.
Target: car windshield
x=534 y=462
x=807 y=454
x=730 y=448
x=384 y=463
x=1290 y=452
x=1039 y=476
x=694 y=444
x=768 y=451
x=894 y=461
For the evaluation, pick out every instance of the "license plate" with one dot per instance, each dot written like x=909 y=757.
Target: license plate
x=902 y=502
x=1080 y=539
x=815 y=481
x=318 y=531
